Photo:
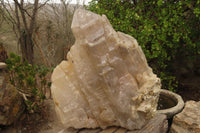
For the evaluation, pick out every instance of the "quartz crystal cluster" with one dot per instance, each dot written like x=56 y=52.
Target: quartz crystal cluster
x=106 y=80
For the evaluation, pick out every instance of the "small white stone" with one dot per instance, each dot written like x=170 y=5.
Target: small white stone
x=2 y=65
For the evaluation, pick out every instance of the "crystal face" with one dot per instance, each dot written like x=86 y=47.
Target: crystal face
x=106 y=80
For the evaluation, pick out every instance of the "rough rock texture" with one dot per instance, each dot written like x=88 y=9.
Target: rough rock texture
x=158 y=124
x=11 y=102
x=106 y=80
x=188 y=121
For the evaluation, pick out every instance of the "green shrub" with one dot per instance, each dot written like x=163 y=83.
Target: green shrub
x=30 y=81
x=166 y=30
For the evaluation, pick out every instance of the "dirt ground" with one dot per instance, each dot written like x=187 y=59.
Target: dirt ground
x=190 y=88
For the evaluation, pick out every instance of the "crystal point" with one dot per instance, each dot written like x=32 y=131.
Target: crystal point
x=106 y=80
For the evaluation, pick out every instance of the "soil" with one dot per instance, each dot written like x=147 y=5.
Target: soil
x=190 y=88
x=189 y=94
x=188 y=75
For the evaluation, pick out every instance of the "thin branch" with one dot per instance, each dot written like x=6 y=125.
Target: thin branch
x=32 y=23
x=17 y=17
x=8 y=17
x=21 y=7
x=43 y=4
x=41 y=53
x=22 y=13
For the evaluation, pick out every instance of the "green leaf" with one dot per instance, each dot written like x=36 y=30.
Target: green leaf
x=159 y=2
x=34 y=91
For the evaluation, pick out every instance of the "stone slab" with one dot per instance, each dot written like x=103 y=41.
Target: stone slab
x=188 y=121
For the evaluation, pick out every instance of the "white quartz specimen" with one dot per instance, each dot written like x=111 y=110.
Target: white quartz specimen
x=106 y=80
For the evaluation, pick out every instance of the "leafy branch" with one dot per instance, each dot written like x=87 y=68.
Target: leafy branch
x=30 y=81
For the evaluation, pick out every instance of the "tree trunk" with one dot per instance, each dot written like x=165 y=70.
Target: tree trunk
x=30 y=54
x=26 y=44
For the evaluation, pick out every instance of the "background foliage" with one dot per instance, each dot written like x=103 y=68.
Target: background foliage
x=167 y=30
